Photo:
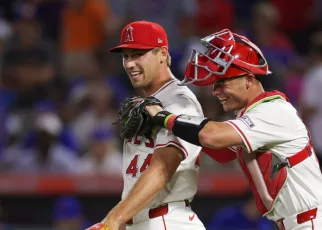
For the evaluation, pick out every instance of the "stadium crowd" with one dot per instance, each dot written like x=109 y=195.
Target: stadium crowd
x=60 y=88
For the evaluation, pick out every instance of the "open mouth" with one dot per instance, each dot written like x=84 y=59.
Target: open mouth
x=223 y=100
x=135 y=74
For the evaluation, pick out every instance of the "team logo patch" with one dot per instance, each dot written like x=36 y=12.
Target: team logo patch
x=190 y=119
x=185 y=116
x=247 y=121
x=129 y=34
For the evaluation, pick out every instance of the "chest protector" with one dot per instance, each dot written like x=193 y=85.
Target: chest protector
x=266 y=172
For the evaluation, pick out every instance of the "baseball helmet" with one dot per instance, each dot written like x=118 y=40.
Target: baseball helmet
x=227 y=55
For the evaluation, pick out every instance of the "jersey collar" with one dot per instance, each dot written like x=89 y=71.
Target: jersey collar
x=163 y=87
x=263 y=97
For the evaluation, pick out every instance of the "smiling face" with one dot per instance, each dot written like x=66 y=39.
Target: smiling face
x=142 y=66
x=233 y=93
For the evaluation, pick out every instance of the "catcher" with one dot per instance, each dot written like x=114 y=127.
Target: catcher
x=268 y=138
x=160 y=170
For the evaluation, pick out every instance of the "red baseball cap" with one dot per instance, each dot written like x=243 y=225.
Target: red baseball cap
x=142 y=35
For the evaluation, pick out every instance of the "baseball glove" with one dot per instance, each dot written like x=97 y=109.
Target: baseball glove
x=134 y=119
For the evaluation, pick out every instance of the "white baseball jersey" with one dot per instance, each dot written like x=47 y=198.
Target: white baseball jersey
x=274 y=126
x=138 y=151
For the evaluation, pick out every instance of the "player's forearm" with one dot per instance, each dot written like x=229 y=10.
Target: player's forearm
x=199 y=130
x=144 y=191
x=218 y=135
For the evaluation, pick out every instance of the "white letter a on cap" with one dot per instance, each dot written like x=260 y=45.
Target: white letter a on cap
x=129 y=35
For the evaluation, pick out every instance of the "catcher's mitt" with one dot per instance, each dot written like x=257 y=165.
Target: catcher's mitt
x=134 y=119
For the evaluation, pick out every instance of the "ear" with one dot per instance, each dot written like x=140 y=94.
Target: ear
x=164 y=54
x=250 y=80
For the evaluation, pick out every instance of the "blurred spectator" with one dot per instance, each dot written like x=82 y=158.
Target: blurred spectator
x=25 y=8
x=6 y=9
x=177 y=17
x=66 y=136
x=104 y=156
x=105 y=72
x=210 y=16
x=318 y=11
x=311 y=106
x=277 y=48
x=90 y=106
x=192 y=42
x=29 y=46
x=267 y=34
x=240 y=216
x=243 y=10
x=48 y=13
x=34 y=97
x=68 y=214
x=294 y=80
x=5 y=33
x=47 y=156
x=3 y=216
x=215 y=15
x=14 y=129
x=86 y=27
x=28 y=64
x=115 y=78
x=296 y=19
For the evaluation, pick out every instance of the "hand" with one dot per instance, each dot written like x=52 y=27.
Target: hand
x=134 y=118
x=112 y=223
x=153 y=109
x=98 y=226
x=107 y=224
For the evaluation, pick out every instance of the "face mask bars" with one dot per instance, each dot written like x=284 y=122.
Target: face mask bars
x=194 y=57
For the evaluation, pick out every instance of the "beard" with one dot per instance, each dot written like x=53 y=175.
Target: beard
x=144 y=83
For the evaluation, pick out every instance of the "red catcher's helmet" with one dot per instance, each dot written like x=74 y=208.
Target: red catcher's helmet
x=228 y=55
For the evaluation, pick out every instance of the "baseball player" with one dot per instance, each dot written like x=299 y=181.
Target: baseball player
x=267 y=137
x=160 y=173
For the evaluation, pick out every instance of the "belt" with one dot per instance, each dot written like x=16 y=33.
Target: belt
x=300 y=156
x=159 y=211
x=301 y=218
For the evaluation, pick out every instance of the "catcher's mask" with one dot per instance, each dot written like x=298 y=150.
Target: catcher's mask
x=228 y=55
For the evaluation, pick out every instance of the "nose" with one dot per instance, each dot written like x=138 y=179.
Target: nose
x=216 y=90
x=128 y=63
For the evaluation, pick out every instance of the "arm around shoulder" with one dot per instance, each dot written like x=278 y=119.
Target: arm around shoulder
x=196 y=130
x=219 y=135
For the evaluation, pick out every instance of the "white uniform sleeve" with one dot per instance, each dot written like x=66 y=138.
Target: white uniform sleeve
x=268 y=124
x=182 y=105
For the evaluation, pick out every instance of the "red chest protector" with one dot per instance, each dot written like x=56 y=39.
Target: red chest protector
x=265 y=171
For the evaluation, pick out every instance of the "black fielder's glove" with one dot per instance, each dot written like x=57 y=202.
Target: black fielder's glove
x=134 y=119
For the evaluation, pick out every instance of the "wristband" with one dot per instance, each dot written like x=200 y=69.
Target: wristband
x=169 y=121
x=188 y=127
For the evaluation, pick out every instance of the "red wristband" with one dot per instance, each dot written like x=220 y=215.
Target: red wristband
x=170 y=122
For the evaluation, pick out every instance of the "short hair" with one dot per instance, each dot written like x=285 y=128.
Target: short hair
x=157 y=49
